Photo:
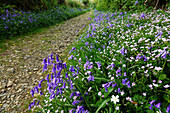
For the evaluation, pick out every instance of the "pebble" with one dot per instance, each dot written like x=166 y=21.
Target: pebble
x=10 y=70
x=9 y=83
x=5 y=105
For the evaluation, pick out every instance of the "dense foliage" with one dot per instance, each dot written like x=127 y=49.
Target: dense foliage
x=126 y=5
x=121 y=64
x=15 y=24
x=27 y=5
x=74 y=4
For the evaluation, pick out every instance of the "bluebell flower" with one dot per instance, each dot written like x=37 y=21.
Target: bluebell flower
x=113 y=85
x=51 y=76
x=106 y=88
x=86 y=93
x=138 y=56
x=86 y=64
x=32 y=92
x=71 y=86
x=30 y=20
x=99 y=49
x=39 y=86
x=77 y=101
x=64 y=85
x=158 y=105
x=151 y=107
x=72 y=69
x=123 y=51
x=163 y=55
x=118 y=90
x=98 y=64
x=136 y=2
x=64 y=64
x=152 y=102
x=145 y=59
x=90 y=66
x=47 y=77
x=66 y=76
x=36 y=89
x=33 y=103
x=29 y=108
x=128 y=84
x=81 y=99
x=87 y=43
x=41 y=93
x=54 y=68
x=52 y=96
x=71 y=111
x=168 y=108
x=124 y=81
x=38 y=102
x=90 y=78
x=45 y=67
x=143 y=15
x=61 y=91
x=118 y=71
x=108 y=85
x=51 y=57
x=48 y=62
x=111 y=66
x=124 y=74
x=57 y=59
x=71 y=57
x=6 y=27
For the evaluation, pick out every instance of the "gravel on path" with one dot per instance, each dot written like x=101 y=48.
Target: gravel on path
x=21 y=65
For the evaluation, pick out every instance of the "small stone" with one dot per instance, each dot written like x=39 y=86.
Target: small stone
x=1 y=87
x=8 y=96
x=35 y=69
x=39 y=73
x=3 y=90
x=5 y=105
x=9 y=83
x=11 y=70
x=7 y=102
x=19 y=90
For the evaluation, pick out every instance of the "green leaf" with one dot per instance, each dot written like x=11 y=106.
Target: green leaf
x=166 y=97
x=103 y=79
x=162 y=77
x=110 y=89
x=102 y=105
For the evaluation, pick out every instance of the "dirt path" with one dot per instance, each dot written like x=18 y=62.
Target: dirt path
x=20 y=66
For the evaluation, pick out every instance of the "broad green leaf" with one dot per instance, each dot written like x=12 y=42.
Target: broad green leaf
x=104 y=102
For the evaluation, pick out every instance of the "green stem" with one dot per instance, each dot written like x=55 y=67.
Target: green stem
x=83 y=97
x=163 y=92
x=163 y=66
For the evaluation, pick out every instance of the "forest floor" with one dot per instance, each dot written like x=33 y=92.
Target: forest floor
x=21 y=64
